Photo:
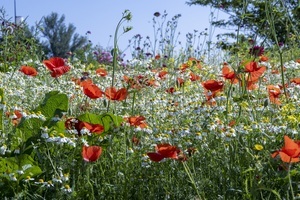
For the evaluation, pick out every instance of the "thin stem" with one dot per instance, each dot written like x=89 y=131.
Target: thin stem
x=188 y=172
x=290 y=180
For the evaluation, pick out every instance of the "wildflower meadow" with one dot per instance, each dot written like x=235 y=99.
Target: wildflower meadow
x=170 y=123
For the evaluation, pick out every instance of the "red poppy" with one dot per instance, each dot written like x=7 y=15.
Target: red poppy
x=196 y=62
x=137 y=82
x=91 y=90
x=183 y=67
x=213 y=85
x=290 y=152
x=93 y=128
x=170 y=90
x=211 y=89
x=16 y=116
x=57 y=66
x=295 y=81
x=194 y=77
x=74 y=123
x=255 y=71
x=164 y=151
x=229 y=74
x=27 y=70
x=114 y=94
x=91 y=153
x=251 y=85
x=274 y=93
x=157 y=57
x=135 y=140
x=179 y=82
x=138 y=121
x=162 y=74
x=101 y=71
x=263 y=58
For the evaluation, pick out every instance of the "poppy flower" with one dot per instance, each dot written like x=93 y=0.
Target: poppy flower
x=184 y=66
x=164 y=151
x=274 y=93
x=27 y=70
x=16 y=116
x=194 y=77
x=211 y=89
x=179 y=82
x=137 y=121
x=250 y=85
x=138 y=81
x=75 y=124
x=101 y=71
x=170 y=90
x=135 y=140
x=162 y=74
x=196 y=62
x=93 y=128
x=91 y=90
x=290 y=152
x=295 y=81
x=229 y=74
x=114 y=94
x=254 y=70
x=57 y=66
x=91 y=153
x=213 y=85
x=263 y=58
x=157 y=57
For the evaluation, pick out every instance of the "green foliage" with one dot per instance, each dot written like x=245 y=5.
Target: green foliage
x=267 y=20
x=106 y=120
x=60 y=39
x=17 y=44
x=54 y=104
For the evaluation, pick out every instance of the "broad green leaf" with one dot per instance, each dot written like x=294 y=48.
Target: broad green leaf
x=8 y=165
x=28 y=165
x=105 y=120
x=28 y=128
x=59 y=127
x=22 y=162
x=54 y=104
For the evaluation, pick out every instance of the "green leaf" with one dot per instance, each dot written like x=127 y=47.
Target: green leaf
x=28 y=165
x=54 y=103
x=28 y=128
x=22 y=162
x=105 y=120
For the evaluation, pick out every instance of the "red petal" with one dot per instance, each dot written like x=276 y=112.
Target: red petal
x=92 y=91
x=91 y=153
x=156 y=157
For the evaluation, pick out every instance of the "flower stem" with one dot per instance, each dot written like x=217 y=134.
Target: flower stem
x=188 y=172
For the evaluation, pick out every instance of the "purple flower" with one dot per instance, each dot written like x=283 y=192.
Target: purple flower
x=256 y=51
x=280 y=44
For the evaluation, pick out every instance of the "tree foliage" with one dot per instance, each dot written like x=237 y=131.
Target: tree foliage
x=272 y=21
x=60 y=38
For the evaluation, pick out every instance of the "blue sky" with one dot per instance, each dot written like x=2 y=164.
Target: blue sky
x=101 y=17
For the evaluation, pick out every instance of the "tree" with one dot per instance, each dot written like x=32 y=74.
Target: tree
x=271 y=21
x=60 y=38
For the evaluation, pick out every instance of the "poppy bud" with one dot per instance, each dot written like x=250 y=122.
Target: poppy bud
x=266 y=102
